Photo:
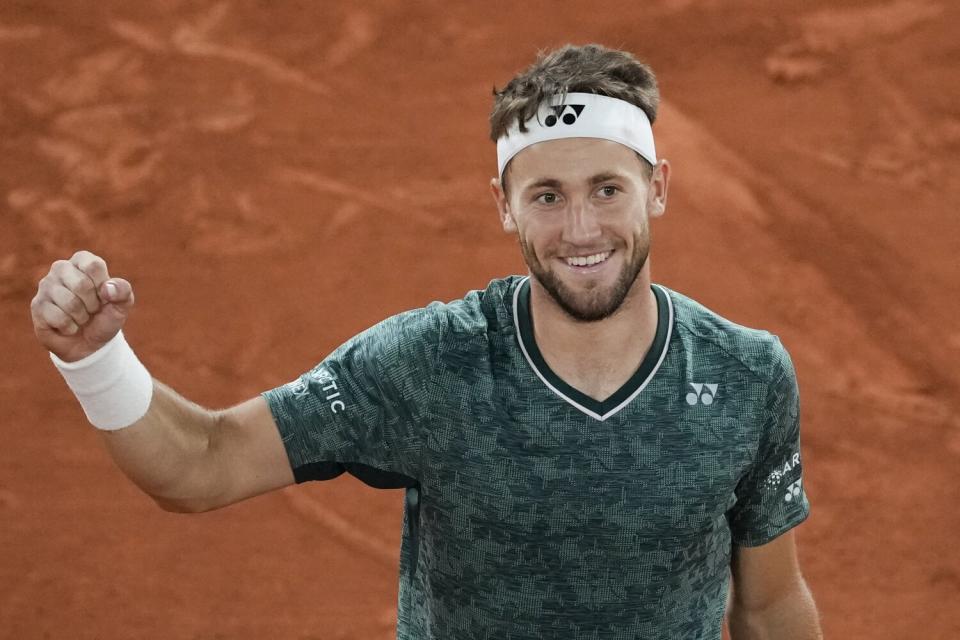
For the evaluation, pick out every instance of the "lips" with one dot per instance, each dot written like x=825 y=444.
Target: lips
x=588 y=260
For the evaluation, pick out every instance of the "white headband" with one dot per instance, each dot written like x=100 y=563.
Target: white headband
x=581 y=115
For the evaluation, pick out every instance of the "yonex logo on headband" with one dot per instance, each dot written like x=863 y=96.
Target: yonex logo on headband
x=572 y=113
x=583 y=115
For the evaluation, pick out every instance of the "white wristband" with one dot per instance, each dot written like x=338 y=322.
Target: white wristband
x=112 y=385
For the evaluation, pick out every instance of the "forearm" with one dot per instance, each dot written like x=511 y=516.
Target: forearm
x=792 y=617
x=162 y=453
x=187 y=458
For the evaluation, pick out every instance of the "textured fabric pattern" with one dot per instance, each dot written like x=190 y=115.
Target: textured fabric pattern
x=528 y=518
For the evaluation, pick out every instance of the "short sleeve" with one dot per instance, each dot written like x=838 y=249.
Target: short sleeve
x=771 y=497
x=363 y=408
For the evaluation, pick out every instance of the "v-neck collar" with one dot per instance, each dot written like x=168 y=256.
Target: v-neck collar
x=600 y=410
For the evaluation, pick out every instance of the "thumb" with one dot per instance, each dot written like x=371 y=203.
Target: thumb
x=116 y=297
x=118 y=292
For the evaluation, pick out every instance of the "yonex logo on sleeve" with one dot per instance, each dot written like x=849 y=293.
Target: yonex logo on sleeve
x=780 y=474
x=565 y=113
x=794 y=491
x=702 y=392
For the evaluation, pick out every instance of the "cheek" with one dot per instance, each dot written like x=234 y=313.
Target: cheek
x=548 y=222
x=639 y=222
x=544 y=235
x=532 y=227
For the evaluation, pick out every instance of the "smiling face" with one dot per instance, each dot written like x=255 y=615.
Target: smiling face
x=580 y=208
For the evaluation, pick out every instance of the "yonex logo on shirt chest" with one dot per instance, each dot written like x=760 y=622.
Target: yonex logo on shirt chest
x=703 y=392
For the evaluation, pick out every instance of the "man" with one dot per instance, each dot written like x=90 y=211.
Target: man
x=585 y=454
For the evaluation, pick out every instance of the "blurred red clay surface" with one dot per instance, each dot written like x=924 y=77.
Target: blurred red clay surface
x=274 y=177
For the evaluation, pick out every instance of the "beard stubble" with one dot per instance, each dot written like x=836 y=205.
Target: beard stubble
x=596 y=303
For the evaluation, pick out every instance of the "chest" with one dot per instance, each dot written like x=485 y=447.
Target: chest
x=661 y=468
x=597 y=378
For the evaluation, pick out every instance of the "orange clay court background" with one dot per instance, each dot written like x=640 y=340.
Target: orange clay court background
x=275 y=177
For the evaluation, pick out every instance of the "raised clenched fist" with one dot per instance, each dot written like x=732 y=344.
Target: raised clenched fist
x=79 y=307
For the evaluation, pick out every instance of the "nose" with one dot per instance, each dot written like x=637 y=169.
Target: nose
x=581 y=225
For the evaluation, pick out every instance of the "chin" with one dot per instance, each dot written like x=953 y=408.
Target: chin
x=591 y=305
x=596 y=302
x=594 y=309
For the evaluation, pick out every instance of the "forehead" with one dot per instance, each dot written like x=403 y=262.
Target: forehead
x=572 y=160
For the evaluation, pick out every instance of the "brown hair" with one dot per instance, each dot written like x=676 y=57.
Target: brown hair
x=591 y=68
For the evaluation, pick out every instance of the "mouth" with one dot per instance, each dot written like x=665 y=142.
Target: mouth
x=589 y=262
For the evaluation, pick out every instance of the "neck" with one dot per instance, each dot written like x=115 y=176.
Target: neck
x=596 y=357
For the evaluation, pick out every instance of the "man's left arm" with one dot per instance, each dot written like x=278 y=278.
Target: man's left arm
x=770 y=598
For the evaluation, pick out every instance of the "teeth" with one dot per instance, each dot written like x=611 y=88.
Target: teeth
x=586 y=261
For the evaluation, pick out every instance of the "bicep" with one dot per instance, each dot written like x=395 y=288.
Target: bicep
x=249 y=453
x=764 y=574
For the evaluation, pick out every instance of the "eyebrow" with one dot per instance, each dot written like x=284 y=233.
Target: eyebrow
x=553 y=183
x=605 y=177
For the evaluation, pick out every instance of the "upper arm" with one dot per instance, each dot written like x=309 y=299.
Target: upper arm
x=770 y=497
x=365 y=406
x=765 y=574
x=249 y=454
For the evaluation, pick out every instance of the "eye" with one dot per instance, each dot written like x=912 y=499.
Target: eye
x=547 y=198
x=608 y=190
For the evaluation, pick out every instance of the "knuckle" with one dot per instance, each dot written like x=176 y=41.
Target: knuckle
x=83 y=283
x=96 y=267
x=73 y=280
x=59 y=266
x=90 y=302
x=44 y=286
x=74 y=306
x=58 y=320
x=86 y=261
x=65 y=324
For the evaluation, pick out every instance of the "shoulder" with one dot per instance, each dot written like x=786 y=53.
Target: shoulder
x=441 y=325
x=704 y=331
x=479 y=310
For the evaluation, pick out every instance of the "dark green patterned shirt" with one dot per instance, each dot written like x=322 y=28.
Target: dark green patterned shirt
x=535 y=511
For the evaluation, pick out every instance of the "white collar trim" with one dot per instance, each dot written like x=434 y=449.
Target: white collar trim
x=571 y=401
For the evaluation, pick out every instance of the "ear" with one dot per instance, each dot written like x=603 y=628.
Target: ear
x=503 y=206
x=659 y=185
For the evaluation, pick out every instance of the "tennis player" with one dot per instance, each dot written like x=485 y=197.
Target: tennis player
x=584 y=453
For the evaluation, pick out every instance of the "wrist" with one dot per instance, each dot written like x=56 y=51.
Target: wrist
x=111 y=384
